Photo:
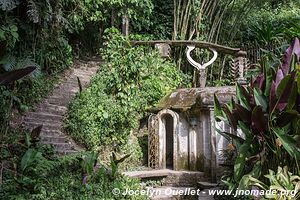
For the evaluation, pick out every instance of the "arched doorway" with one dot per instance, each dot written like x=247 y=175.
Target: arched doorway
x=168 y=124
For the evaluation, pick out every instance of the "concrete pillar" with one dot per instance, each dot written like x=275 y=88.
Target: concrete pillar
x=213 y=145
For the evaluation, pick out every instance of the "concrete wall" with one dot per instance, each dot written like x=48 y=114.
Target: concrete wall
x=197 y=146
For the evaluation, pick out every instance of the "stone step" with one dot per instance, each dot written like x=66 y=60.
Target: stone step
x=62 y=96
x=171 y=177
x=50 y=112
x=65 y=152
x=51 y=109
x=67 y=90
x=43 y=116
x=43 y=121
x=60 y=101
x=32 y=125
x=74 y=81
x=54 y=139
x=51 y=133
x=206 y=185
x=84 y=73
x=60 y=146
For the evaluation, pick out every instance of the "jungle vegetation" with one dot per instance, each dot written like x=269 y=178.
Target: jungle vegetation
x=40 y=39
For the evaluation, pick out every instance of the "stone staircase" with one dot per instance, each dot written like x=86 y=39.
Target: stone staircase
x=51 y=111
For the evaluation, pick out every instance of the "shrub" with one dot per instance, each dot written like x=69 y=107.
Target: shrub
x=267 y=112
x=132 y=80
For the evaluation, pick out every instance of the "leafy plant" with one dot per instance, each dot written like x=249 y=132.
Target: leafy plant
x=25 y=163
x=267 y=112
x=6 y=81
x=9 y=35
x=32 y=174
x=88 y=164
x=284 y=183
x=114 y=163
x=108 y=110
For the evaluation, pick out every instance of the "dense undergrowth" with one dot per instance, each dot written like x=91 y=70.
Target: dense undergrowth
x=31 y=171
x=132 y=80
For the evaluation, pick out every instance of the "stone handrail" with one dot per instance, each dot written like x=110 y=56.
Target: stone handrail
x=197 y=44
x=239 y=64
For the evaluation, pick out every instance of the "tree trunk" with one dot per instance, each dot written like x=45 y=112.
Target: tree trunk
x=125 y=23
x=113 y=17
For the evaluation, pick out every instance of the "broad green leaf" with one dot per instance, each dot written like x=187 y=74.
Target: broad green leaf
x=248 y=178
x=260 y=99
x=293 y=97
x=269 y=80
x=288 y=142
x=28 y=158
x=218 y=109
x=231 y=104
x=229 y=136
x=240 y=161
x=245 y=129
x=282 y=85
x=242 y=97
x=28 y=140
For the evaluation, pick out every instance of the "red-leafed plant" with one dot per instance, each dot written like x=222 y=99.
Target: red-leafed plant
x=267 y=112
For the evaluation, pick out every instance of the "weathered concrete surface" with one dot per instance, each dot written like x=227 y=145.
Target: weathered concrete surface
x=171 y=177
x=51 y=111
x=184 y=99
x=197 y=145
x=163 y=49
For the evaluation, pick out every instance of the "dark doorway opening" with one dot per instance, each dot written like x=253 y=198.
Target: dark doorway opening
x=169 y=124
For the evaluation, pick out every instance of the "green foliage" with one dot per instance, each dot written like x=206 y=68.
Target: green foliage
x=9 y=34
x=88 y=163
x=30 y=171
x=284 y=183
x=267 y=113
x=97 y=119
x=132 y=80
x=115 y=162
x=277 y=25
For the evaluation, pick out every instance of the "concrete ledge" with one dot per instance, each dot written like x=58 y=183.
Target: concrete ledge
x=160 y=173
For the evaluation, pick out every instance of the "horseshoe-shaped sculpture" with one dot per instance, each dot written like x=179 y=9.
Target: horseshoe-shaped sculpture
x=200 y=67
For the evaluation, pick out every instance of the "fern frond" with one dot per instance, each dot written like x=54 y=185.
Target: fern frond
x=7 y=5
x=33 y=11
